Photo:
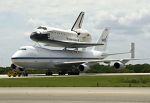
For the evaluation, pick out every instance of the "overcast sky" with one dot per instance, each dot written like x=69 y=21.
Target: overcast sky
x=129 y=21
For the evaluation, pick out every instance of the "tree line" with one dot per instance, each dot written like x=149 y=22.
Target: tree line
x=137 y=68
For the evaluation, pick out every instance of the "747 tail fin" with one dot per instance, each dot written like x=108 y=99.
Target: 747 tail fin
x=102 y=40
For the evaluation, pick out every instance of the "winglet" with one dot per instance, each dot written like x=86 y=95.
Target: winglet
x=78 y=22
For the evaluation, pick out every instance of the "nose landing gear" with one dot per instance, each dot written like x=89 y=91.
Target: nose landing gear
x=48 y=73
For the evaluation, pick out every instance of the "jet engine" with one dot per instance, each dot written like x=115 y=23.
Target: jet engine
x=119 y=65
x=83 y=67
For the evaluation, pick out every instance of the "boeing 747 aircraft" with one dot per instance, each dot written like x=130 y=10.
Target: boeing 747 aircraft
x=65 y=61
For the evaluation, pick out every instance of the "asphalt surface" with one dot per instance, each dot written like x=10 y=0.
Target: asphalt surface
x=74 y=95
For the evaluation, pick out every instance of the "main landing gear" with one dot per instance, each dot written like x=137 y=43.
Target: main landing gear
x=74 y=72
x=49 y=73
x=71 y=72
x=62 y=73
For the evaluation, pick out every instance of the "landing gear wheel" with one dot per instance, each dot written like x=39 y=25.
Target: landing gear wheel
x=77 y=73
x=62 y=73
x=24 y=74
x=74 y=72
x=19 y=75
x=48 y=73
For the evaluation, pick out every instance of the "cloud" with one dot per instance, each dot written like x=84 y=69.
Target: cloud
x=36 y=22
x=132 y=23
x=27 y=34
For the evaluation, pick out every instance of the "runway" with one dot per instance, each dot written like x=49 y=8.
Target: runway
x=82 y=74
x=74 y=95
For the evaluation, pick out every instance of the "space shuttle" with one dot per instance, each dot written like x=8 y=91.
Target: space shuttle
x=74 y=38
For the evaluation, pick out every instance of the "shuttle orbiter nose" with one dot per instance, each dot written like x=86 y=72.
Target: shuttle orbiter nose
x=34 y=36
x=37 y=36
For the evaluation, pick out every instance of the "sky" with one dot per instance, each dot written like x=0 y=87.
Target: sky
x=129 y=21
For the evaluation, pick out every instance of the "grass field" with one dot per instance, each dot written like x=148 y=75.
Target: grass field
x=78 y=81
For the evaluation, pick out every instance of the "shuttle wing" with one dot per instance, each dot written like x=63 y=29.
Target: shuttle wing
x=69 y=44
x=80 y=44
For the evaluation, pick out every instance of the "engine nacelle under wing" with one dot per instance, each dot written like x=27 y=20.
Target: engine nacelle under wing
x=83 y=67
x=119 y=65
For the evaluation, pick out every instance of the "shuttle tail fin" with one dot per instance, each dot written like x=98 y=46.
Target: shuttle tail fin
x=102 y=40
x=78 y=22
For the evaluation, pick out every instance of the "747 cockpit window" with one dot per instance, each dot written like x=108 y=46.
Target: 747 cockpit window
x=41 y=27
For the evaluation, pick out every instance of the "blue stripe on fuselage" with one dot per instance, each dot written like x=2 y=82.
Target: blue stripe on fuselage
x=51 y=58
